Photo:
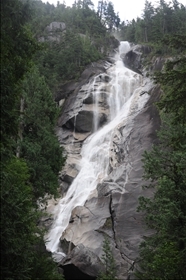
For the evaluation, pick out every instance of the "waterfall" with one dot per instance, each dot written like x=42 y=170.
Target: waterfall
x=124 y=102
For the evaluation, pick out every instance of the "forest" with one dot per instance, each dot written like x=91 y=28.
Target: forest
x=32 y=69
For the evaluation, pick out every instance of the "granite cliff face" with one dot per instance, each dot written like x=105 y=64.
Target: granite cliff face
x=110 y=208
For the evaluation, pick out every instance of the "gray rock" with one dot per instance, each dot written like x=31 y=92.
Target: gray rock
x=144 y=49
x=45 y=222
x=111 y=210
x=132 y=60
x=158 y=64
x=56 y=25
x=65 y=90
x=83 y=122
x=84 y=259
x=75 y=92
x=128 y=223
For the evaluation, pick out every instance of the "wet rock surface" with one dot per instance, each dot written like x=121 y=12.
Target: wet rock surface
x=74 y=94
x=111 y=209
x=133 y=59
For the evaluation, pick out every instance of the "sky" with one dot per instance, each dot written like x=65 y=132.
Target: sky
x=127 y=9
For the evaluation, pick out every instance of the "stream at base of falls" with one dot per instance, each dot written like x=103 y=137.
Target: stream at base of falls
x=124 y=102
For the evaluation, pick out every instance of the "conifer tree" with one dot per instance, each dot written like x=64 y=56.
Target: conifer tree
x=163 y=254
x=19 y=234
x=39 y=146
x=108 y=262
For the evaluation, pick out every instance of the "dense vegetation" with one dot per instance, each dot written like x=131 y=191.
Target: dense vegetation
x=86 y=38
x=163 y=254
x=156 y=22
x=108 y=261
x=32 y=68
x=30 y=154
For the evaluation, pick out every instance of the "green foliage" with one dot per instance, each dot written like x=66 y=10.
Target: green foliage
x=85 y=40
x=21 y=240
x=17 y=220
x=173 y=82
x=20 y=236
x=17 y=49
x=80 y=18
x=109 y=262
x=111 y=20
x=164 y=263
x=163 y=254
x=39 y=146
x=155 y=24
x=66 y=60
x=43 y=266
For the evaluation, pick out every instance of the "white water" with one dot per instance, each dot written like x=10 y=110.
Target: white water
x=124 y=101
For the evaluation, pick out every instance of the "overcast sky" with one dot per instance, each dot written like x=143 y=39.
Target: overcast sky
x=127 y=9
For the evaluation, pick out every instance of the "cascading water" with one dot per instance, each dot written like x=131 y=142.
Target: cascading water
x=122 y=90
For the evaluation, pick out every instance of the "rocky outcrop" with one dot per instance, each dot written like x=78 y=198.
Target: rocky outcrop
x=134 y=58
x=128 y=223
x=157 y=64
x=77 y=117
x=84 y=259
x=133 y=61
x=56 y=26
x=111 y=209
x=84 y=121
x=53 y=32
x=68 y=88
x=78 y=109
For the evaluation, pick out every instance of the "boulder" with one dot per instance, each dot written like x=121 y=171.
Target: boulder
x=83 y=259
x=133 y=58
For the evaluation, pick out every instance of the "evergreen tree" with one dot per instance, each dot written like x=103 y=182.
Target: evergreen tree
x=147 y=15
x=21 y=240
x=108 y=262
x=18 y=221
x=110 y=16
x=17 y=49
x=19 y=234
x=155 y=24
x=163 y=254
x=65 y=60
x=39 y=146
x=173 y=82
x=101 y=8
